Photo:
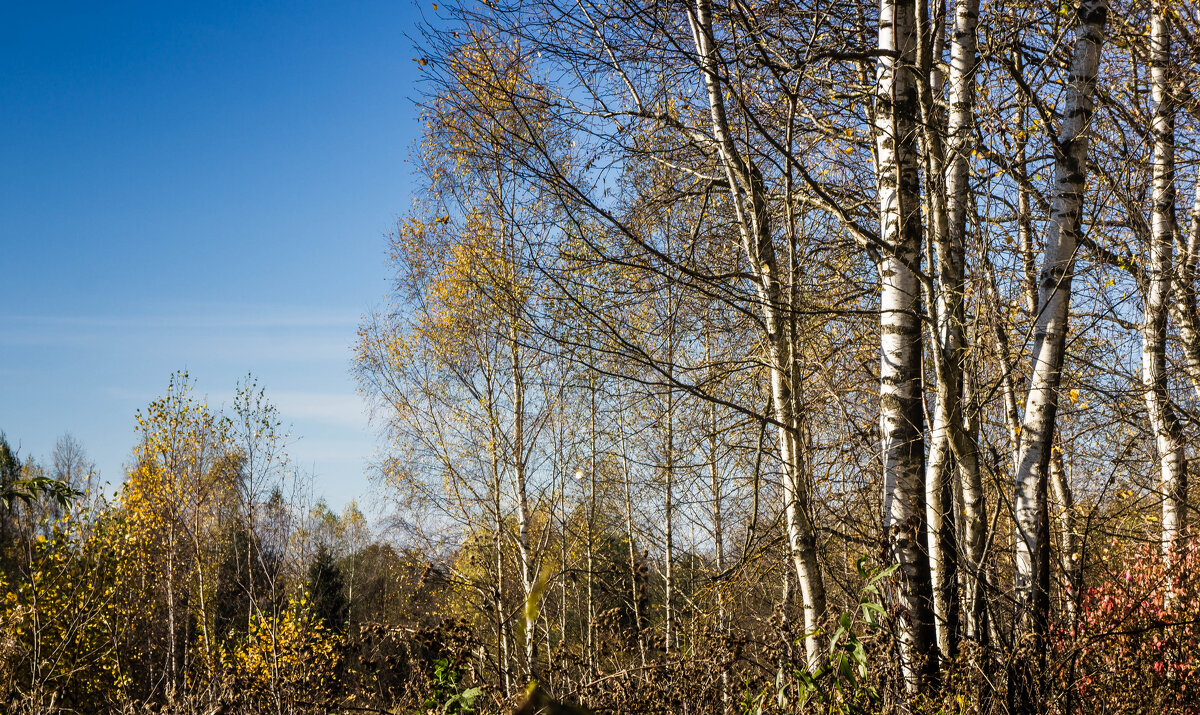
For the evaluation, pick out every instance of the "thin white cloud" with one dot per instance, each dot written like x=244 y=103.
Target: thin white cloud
x=118 y=364
x=299 y=407
x=332 y=408
x=252 y=334
x=259 y=348
x=224 y=317
x=339 y=457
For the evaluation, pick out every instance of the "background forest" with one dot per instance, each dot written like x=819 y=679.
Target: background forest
x=741 y=357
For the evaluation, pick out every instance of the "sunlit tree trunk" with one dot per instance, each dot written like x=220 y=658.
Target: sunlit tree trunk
x=1041 y=402
x=562 y=470
x=749 y=203
x=1184 y=307
x=1168 y=433
x=974 y=530
x=589 y=531
x=636 y=582
x=1029 y=286
x=524 y=516
x=901 y=418
x=172 y=664
x=1070 y=557
x=498 y=545
x=717 y=517
x=670 y=636
x=952 y=445
x=198 y=551
x=944 y=296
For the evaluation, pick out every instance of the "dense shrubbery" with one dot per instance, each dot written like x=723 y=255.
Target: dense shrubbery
x=188 y=592
x=290 y=657
x=1134 y=649
x=374 y=628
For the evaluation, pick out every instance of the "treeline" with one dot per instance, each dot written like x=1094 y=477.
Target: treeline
x=207 y=581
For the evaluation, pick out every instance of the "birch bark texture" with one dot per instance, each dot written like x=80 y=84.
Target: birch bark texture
x=750 y=206
x=901 y=413
x=1168 y=433
x=1183 y=308
x=951 y=445
x=1041 y=401
x=960 y=128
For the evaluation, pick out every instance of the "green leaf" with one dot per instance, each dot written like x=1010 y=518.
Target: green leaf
x=872 y=611
x=882 y=574
x=861 y=566
x=837 y=636
x=845 y=668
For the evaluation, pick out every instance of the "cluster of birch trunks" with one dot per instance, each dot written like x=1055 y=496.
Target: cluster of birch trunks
x=932 y=250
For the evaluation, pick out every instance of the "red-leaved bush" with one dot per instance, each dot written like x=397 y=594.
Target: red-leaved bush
x=1134 y=648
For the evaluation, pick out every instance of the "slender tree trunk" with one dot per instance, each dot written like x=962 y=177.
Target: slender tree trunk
x=975 y=526
x=951 y=444
x=1071 y=560
x=591 y=517
x=749 y=202
x=964 y=422
x=199 y=560
x=1041 y=402
x=171 y=636
x=498 y=591
x=528 y=568
x=669 y=487
x=636 y=585
x=1168 y=432
x=717 y=519
x=943 y=561
x=1029 y=287
x=1184 y=308
x=1008 y=387
x=940 y=297
x=562 y=609
x=901 y=418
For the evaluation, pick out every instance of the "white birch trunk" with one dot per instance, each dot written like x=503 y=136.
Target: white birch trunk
x=1070 y=558
x=749 y=202
x=1041 y=402
x=951 y=444
x=1029 y=287
x=669 y=545
x=591 y=520
x=1184 y=306
x=171 y=657
x=669 y=493
x=963 y=63
x=974 y=531
x=944 y=296
x=901 y=418
x=636 y=586
x=1168 y=434
x=498 y=545
x=524 y=549
x=717 y=522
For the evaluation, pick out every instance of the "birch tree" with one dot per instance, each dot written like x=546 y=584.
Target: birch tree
x=748 y=200
x=1159 y=277
x=1041 y=401
x=901 y=419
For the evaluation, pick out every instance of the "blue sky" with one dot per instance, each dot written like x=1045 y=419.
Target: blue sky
x=202 y=186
